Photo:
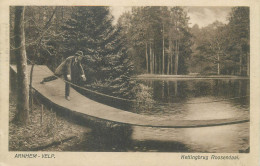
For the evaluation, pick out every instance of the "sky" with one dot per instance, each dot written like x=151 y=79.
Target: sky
x=119 y=10
x=202 y=16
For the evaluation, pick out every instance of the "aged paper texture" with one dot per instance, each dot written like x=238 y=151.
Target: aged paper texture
x=211 y=141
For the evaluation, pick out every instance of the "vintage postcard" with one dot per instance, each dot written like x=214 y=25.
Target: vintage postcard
x=130 y=83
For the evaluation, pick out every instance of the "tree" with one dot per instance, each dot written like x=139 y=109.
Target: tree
x=153 y=29
x=164 y=18
x=239 y=35
x=22 y=115
x=179 y=41
x=42 y=33
x=140 y=37
x=211 y=46
x=107 y=65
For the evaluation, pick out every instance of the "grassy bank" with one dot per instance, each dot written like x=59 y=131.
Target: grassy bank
x=46 y=131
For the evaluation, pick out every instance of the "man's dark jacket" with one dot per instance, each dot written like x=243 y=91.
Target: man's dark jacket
x=70 y=67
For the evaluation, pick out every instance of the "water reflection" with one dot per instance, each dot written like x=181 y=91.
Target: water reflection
x=199 y=100
x=190 y=100
x=175 y=91
x=221 y=139
x=173 y=96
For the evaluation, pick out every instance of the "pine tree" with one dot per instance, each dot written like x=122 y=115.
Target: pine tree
x=107 y=65
x=240 y=36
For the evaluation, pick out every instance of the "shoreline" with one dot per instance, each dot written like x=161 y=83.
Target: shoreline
x=184 y=77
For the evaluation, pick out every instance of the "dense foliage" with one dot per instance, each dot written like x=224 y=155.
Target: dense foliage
x=107 y=66
x=223 y=49
x=158 y=39
x=58 y=32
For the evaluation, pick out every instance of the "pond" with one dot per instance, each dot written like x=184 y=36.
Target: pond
x=196 y=100
x=181 y=99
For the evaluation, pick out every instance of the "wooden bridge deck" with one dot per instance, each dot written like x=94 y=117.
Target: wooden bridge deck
x=54 y=92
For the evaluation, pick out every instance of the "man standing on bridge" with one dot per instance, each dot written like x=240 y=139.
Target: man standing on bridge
x=71 y=69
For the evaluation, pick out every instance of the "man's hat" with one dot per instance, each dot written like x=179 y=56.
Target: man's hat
x=79 y=53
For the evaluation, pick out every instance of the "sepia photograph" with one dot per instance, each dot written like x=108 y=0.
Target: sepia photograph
x=129 y=79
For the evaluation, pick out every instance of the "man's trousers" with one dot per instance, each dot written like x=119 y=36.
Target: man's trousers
x=54 y=77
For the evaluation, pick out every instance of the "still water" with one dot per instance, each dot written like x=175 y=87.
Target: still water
x=196 y=100
x=182 y=99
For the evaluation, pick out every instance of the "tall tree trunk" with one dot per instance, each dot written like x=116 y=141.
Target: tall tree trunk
x=154 y=61
x=169 y=57
x=158 y=63
x=146 y=56
x=22 y=107
x=151 y=59
x=163 y=56
x=168 y=62
x=218 y=64
x=172 y=64
x=173 y=53
x=176 y=58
